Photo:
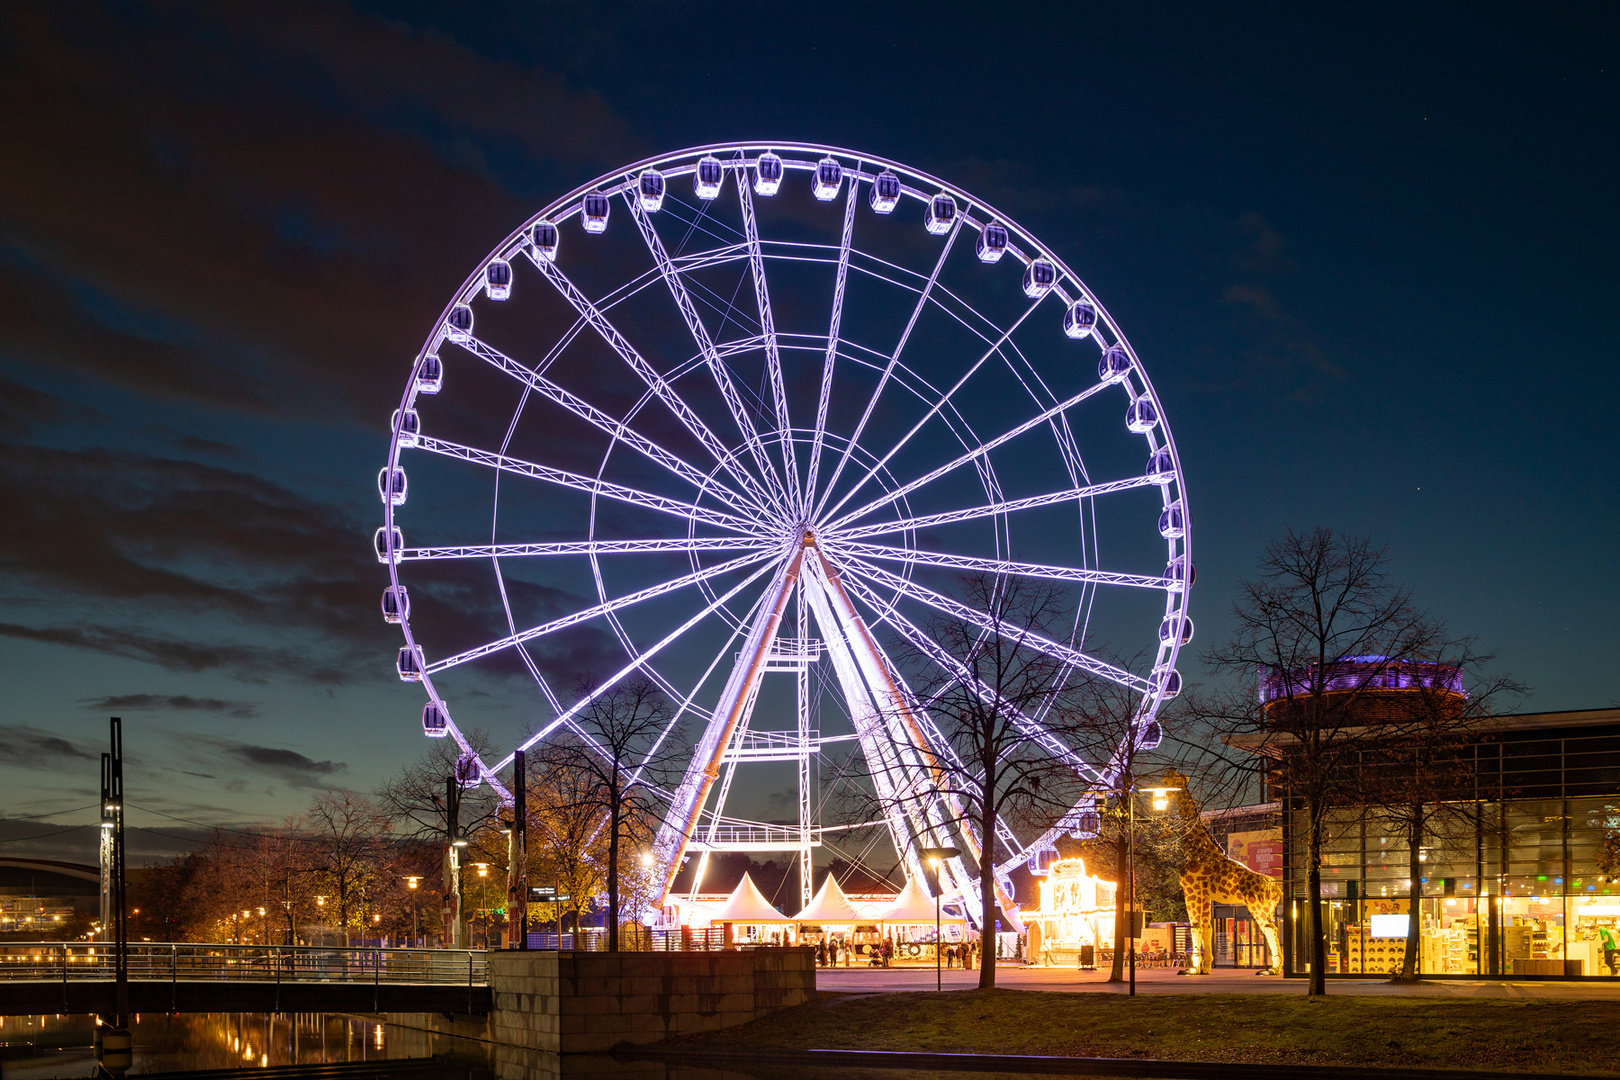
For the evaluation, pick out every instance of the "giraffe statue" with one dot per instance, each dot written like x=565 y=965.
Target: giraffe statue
x=1208 y=877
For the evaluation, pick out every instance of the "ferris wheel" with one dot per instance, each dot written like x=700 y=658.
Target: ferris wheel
x=738 y=419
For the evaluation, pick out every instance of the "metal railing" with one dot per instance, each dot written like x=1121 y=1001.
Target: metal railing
x=750 y=837
x=177 y=962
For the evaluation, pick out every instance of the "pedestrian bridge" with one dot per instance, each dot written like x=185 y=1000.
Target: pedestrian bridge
x=77 y=977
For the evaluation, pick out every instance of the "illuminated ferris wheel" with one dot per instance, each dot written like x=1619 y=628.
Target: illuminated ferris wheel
x=738 y=419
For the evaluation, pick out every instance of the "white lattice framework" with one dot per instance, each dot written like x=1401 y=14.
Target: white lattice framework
x=731 y=431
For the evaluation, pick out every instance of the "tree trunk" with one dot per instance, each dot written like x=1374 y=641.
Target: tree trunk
x=613 y=881
x=1122 y=917
x=987 y=896
x=1414 y=895
x=1313 y=898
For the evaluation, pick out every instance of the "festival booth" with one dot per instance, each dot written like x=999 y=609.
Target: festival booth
x=1076 y=918
x=910 y=923
x=689 y=912
x=831 y=918
x=749 y=918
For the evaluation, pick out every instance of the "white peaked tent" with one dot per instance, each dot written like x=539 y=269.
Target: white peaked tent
x=914 y=907
x=747 y=905
x=829 y=906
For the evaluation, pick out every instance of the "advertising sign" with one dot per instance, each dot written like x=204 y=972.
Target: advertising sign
x=1260 y=850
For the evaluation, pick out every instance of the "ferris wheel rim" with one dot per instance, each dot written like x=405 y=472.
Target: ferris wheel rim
x=617 y=181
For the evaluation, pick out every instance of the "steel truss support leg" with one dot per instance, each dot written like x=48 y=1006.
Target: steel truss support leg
x=893 y=740
x=687 y=805
x=802 y=682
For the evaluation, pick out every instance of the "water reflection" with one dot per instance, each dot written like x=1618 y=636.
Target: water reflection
x=41 y=1047
x=64 y=1045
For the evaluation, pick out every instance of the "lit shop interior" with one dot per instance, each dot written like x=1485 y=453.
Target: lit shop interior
x=1515 y=882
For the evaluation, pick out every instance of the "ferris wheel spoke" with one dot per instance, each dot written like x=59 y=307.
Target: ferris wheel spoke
x=597 y=610
x=972 y=513
x=767 y=325
x=933 y=410
x=618 y=429
x=972 y=455
x=588 y=485
x=588 y=547
x=824 y=402
x=687 y=702
x=654 y=382
x=893 y=362
x=973 y=616
x=955 y=669
x=1013 y=568
x=640 y=661
x=705 y=343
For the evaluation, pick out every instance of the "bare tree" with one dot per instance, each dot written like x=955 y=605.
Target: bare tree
x=619 y=750
x=1419 y=772
x=981 y=691
x=566 y=848
x=1321 y=599
x=349 y=836
x=416 y=796
x=419 y=799
x=1104 y=722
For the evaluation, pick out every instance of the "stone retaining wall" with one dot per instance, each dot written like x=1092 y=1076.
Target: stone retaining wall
x=572 y=1002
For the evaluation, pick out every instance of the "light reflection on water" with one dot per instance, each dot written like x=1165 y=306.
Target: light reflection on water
x=60 y=1046
x=37 y=1047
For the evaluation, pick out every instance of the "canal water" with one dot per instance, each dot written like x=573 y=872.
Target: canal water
x=62 y=1046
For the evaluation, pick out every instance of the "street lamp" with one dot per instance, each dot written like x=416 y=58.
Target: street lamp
x=934 y=856
x=1161 y=802
x=483 y=895
x=411 y=883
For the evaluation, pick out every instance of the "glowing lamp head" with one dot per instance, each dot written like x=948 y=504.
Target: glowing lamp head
x=646 y=859
x=412 y=882
x=1161 y=796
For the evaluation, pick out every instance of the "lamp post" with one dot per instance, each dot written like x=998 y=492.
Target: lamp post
x=412 y=883
x=934 y=856
x=1161 y=800
x=646 y=867
x=483 y=896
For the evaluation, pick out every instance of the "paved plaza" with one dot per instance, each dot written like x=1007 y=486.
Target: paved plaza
x=1168 y=981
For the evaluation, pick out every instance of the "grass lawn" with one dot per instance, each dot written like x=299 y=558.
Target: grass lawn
x=1548 y=1036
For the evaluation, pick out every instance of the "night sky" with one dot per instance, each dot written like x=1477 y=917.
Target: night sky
x=1367 y=257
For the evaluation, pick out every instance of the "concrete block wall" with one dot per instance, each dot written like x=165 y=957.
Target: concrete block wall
x=574 y=1002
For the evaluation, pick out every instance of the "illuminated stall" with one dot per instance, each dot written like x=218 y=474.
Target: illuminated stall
x=1075 y=917
x=910 y=922
x=749 y=918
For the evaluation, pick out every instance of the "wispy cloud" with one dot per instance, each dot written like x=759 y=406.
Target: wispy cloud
x=285 y=762
x=24 y=745
x=170 y=702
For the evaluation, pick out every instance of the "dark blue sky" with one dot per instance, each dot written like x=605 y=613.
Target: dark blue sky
x=1367 y=256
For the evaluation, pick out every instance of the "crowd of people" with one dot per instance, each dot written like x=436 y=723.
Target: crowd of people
x=831 y=953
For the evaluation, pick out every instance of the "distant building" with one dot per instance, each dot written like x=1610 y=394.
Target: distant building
x=1513 y=888
x=37 y=895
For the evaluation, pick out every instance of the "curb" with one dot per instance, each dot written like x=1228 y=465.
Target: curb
x=1050 y=1066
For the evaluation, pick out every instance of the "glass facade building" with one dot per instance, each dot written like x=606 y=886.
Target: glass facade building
x=1512 y=881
